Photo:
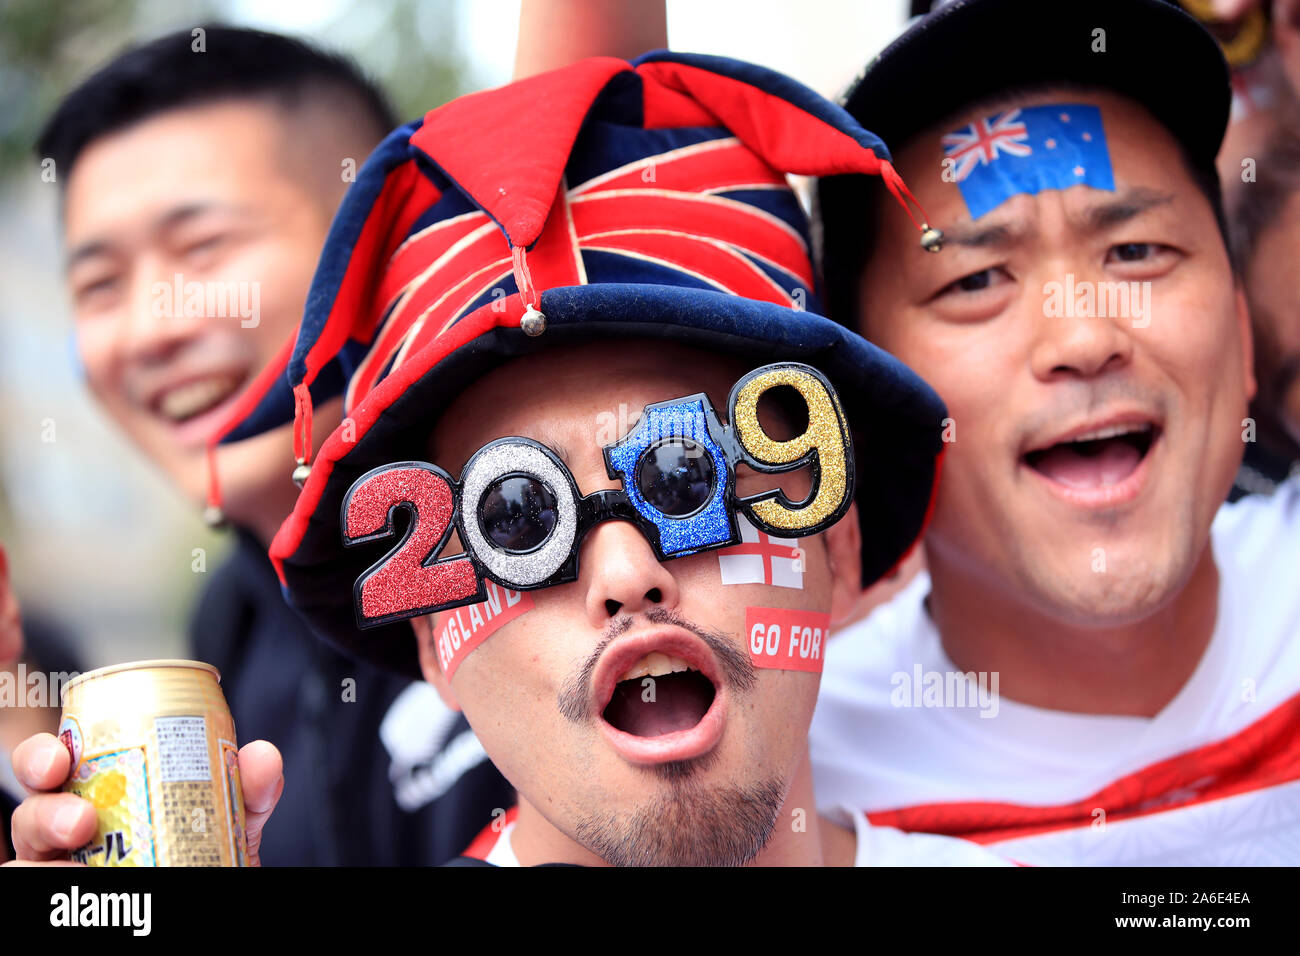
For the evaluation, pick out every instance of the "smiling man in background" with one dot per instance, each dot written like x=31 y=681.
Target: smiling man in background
x=198 y=186
x=1144 y=635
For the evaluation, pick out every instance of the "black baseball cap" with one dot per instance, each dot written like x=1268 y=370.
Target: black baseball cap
x=1151 y=51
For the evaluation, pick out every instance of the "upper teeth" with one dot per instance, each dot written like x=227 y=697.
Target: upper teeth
x=1111 y=431
x=187 y=400
x=655 y=664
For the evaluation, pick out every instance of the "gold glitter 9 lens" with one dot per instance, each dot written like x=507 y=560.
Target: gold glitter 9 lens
x=827 y=434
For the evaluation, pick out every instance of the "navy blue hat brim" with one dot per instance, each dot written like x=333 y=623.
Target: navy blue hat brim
x=895 y=417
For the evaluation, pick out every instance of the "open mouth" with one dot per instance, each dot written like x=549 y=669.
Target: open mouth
x=660 y=697
x=191 y=399
x=1097 y=459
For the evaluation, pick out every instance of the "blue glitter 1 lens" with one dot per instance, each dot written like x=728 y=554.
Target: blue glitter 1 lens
x=676 y=477
x=684 y=453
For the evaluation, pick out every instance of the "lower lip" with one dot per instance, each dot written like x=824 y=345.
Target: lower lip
x=1103 y=496
x=196 y=431
x=679 y=745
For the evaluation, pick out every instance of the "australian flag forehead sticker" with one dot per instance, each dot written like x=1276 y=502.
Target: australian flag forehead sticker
x=1027 y=150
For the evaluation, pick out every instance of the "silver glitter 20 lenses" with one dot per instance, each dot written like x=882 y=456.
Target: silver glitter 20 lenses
x=492 y=462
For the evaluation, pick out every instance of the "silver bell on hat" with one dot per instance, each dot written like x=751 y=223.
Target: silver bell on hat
x=533 y=323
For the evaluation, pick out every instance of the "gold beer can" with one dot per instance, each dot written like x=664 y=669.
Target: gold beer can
x=153 y=748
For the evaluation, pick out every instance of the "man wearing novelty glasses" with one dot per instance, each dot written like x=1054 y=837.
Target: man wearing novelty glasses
x=642 y=672
x=685 y=700
x=634 y=628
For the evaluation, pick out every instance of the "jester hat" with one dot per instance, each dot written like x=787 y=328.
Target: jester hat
x=606 y=200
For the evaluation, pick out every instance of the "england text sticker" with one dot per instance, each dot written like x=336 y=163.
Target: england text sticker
x=465 y=628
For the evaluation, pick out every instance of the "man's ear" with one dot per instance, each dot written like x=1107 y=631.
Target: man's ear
x=844 y=554
x=423 y=628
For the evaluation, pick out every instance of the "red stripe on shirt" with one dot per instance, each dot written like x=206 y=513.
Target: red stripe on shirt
x=482 y=845
x=1264 y=754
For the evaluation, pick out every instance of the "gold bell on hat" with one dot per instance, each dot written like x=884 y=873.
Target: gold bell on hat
x=301 y=472
x=931 y=238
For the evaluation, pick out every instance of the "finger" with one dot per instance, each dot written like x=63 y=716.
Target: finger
x=41 y=763
x=261 y=772
x=49 y=825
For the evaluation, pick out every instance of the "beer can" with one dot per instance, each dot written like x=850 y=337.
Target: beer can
x=153 y=748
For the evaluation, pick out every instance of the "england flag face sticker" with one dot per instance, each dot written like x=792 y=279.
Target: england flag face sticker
x=762 y=559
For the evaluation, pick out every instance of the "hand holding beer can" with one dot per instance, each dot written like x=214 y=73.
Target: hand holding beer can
x=153 y=748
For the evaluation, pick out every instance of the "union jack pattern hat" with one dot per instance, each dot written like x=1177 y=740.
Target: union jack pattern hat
x=604 y=200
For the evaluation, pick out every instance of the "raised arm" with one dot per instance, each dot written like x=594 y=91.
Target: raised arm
x=555 y=33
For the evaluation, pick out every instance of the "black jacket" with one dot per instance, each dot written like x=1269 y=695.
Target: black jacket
x=8 y=805
x=287 y=686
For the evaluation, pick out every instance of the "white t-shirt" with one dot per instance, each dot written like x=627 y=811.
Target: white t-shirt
x=877 y=846
x=1213 y=779
x=888 y=846
x=503 y=852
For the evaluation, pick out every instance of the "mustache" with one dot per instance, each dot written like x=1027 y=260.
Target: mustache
x=1068 y=399
x=738 y=670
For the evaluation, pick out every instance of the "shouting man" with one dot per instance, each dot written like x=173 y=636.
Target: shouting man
x=602 y=332
x=1083 y=325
